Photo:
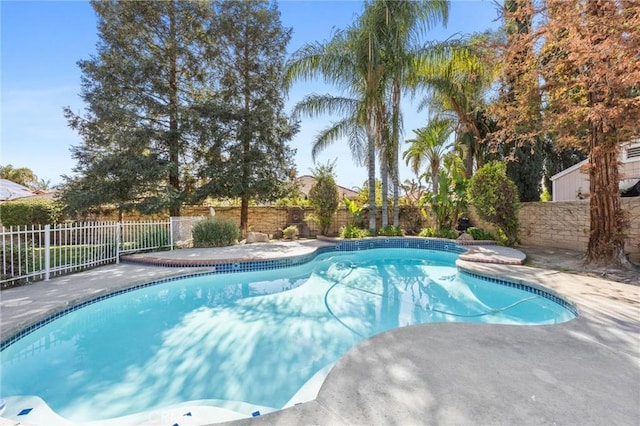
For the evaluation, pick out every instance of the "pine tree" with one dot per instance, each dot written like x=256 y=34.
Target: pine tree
x=523 y=148
x=251 y=144
x=143 y=89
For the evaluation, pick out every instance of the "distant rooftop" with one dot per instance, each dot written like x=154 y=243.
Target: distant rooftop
x=10 y=190
x=306 y=182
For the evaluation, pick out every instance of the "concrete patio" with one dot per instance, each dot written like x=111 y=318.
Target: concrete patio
x=585 y=371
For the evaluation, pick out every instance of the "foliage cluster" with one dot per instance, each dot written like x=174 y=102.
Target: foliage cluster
x=292 y=201
x=290 y=232
x=495 y=197
x=215 y=232
x=23 y=176
x=352 y=231
x=449 y=203
x=412 y=217
x=391 y=231
x=37 y=211
x=356 y=212
x=439 y=233
x=480 y=234
x=324 y=196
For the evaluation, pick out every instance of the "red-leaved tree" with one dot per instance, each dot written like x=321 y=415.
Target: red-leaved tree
x=588 y=66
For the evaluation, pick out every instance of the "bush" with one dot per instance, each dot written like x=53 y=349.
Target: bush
x=352 y=231
x=323 y=196
x=439 y=233
x=37 y=211
x=215 y=233
x=495 y=197
x=391 y=231
x=290 y=232
x=480 y=234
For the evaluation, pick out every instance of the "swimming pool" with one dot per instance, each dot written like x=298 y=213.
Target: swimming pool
x=253 y=341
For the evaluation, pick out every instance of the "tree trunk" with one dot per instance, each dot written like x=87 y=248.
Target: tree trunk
x=245 y=137
x=607 y=218
x=395 y=171
x=384 y=177
x=244 y=215
x=174 y=142
x=371 y=157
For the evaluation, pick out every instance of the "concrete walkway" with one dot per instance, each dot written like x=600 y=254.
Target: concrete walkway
x=583 y=372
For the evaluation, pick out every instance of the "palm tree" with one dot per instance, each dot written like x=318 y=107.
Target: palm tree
x=398 y=26
x=349 y=60
x=372 y=61
x=456 y=89
x=429 y=146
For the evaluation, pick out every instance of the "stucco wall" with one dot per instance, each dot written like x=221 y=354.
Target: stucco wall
x=566 y=224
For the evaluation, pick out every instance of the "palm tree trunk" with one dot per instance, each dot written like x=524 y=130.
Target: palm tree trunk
x=371 y=168
x=395 y=172
x=384 y=177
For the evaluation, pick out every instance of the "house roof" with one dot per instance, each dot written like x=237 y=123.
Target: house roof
x=568 y=170
x=629 y=154
x=10 y=190
x=306 y=182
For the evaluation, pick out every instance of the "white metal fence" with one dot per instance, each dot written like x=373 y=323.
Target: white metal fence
x=37 y=252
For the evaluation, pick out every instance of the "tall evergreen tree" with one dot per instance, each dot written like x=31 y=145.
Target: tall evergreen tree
x=153 y=66
x=254 y=157
x=523 y=149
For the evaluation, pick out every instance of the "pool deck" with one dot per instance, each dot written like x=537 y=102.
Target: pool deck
x=582 y=372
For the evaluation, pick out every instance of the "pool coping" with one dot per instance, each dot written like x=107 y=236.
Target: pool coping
x=599 y=302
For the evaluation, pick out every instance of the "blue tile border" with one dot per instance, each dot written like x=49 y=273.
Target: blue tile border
x=525 y=287
x=235 y=266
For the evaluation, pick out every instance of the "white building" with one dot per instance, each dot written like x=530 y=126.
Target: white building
x=572 y=184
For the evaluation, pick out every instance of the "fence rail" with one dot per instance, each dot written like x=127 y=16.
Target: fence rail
x=38 y=252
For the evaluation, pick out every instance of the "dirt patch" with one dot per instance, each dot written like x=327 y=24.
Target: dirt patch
x=573 y=261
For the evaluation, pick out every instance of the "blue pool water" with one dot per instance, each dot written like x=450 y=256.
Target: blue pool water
x=253 y=337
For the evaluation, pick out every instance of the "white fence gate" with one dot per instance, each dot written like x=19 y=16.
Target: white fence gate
x=37 y=252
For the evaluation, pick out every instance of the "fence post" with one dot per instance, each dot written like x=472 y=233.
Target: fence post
x=118 y=225
x=47 y=252
x=171 y=232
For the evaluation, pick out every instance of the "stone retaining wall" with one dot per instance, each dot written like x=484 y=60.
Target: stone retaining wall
x=562 y=224
x=565 y=224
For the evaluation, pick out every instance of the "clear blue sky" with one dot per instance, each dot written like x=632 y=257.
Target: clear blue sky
x=41 y=41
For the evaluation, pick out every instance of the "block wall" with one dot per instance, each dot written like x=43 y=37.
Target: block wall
x=566 y=224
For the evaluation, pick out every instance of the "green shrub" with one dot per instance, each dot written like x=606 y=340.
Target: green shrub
x=391 y=231
x=480 y=234
x=352 y=231
x=495 y=197
x=439 y=233
x=546 y=196
x=215 y=233
x=290 y=232
x=323 y=196
x=37 y=211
